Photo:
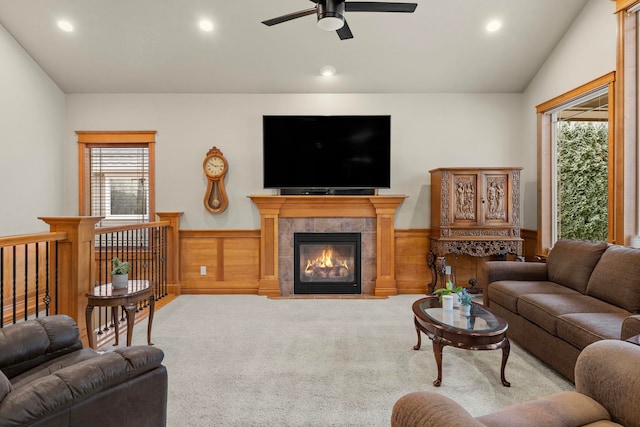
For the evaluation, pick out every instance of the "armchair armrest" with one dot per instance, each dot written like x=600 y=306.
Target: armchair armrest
x=511 y=270
x=424 y=408
x=630 y=327
x=607 y=371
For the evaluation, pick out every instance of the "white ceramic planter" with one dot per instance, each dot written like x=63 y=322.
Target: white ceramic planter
x=120 y=281
x=465 y=310
x=447 y=302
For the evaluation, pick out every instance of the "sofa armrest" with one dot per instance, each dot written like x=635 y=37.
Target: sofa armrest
x=74 y=384
x=424 y=408
x=512 y=270
x=630 y=327
x=607 y=371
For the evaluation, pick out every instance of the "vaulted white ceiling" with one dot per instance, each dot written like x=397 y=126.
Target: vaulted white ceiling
x=156 y=46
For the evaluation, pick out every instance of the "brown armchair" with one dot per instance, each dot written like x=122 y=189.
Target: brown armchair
x=607 y=392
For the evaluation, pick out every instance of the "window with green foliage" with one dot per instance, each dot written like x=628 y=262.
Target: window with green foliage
x=582 y=167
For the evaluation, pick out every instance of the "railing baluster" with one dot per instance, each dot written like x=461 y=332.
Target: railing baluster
x=37 y=266
x=15 y=284
x=26 y=281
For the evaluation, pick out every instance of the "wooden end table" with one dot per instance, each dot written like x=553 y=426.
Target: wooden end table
x=482 y=330
x=128 y=299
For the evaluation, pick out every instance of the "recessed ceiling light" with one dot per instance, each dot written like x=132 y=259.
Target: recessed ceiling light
x=494 y=26
x=206 y=25
x=327 y=71
x=65 y=26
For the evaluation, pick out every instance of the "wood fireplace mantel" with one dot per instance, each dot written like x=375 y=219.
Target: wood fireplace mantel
x=383 y=208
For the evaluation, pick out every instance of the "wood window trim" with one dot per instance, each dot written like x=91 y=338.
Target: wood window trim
x=95 y=139
x=627 y=209
x=545 y=158
x=625 y=5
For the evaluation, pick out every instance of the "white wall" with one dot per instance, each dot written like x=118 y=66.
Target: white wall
x=31 y=142
x=38 y=160
x=428 y=131
x=587 y=51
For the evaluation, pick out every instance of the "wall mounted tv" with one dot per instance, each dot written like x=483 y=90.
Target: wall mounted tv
x=327 y=154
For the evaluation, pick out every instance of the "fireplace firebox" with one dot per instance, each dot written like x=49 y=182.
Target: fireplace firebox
x=326 y=263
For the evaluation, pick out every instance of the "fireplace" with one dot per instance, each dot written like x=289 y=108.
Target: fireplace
x=326 y=263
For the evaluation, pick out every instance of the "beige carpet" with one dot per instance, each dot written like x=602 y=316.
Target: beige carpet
x=245 y=360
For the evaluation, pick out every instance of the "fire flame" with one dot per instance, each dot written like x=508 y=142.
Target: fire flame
x=325 y=261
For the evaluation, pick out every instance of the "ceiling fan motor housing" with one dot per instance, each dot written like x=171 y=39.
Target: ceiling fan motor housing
x=331 y=14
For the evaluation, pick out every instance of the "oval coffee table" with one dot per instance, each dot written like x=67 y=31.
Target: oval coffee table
x=482 y=330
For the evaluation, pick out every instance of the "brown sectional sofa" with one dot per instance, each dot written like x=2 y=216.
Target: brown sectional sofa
x=48 y=380
x=585 y=292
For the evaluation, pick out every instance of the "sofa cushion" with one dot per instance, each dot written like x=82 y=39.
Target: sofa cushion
x=507 y=292
x=616 y=278
x=544 y=309
x=582 y=329
x=571 y=262
x=52 y=366
x=5 y=386
x=33 y=342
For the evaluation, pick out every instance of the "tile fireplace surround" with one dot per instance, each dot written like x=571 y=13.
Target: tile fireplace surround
x=372 y=216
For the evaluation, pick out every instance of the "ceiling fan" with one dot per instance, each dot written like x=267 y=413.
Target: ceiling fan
x=330 y=13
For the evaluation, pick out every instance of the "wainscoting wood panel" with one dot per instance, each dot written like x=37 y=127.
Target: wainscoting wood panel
x=412 y=274
x=232 y=259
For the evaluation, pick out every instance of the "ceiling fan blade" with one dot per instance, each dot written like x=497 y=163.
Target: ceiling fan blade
x=345 y=32
x=289 y=17
x=372 y=6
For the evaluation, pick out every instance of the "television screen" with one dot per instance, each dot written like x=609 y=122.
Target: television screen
x=327 y=152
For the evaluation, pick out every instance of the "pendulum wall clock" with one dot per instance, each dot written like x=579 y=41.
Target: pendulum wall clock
x=215 y=168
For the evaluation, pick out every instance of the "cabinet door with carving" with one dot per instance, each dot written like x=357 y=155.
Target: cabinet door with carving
x=496 y=197
x=465 y=209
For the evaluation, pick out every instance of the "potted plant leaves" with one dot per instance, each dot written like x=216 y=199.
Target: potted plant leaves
x=120 y=273
x=465 y=302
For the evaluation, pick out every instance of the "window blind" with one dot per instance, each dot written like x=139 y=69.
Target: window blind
x=118 y=184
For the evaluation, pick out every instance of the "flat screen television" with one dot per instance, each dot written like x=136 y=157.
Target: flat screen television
x=326 y=154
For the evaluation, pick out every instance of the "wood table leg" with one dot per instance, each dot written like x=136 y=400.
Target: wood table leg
x=437 y=352
x=506 y=348
x=116 y=323
x=417 y=346
x=130 y=309
x=89 y=320
x=152 y=303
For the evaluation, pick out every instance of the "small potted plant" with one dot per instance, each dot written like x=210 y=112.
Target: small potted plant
x=447 y=295
x=119 y=273
x=465 y=302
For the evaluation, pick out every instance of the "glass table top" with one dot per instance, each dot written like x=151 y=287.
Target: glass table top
x=480 y=320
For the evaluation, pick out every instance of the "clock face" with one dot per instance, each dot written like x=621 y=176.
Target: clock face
x=214 y=166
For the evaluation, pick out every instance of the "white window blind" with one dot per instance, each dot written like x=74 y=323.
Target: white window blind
x=118 y=184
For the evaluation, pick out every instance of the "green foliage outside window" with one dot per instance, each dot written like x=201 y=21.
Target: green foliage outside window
x=582 y=180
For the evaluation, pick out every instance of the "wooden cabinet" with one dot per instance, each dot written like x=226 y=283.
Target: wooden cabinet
x=474 y=211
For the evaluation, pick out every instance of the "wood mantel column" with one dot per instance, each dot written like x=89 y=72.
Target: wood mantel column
x=385 y=245
x=269 y=282
x=76 y=257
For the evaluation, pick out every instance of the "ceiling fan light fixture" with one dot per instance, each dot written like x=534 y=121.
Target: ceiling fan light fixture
x=330 y=23
x=331 y=15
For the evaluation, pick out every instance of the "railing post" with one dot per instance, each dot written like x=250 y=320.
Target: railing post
x=173 y=250
x=76 y=265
